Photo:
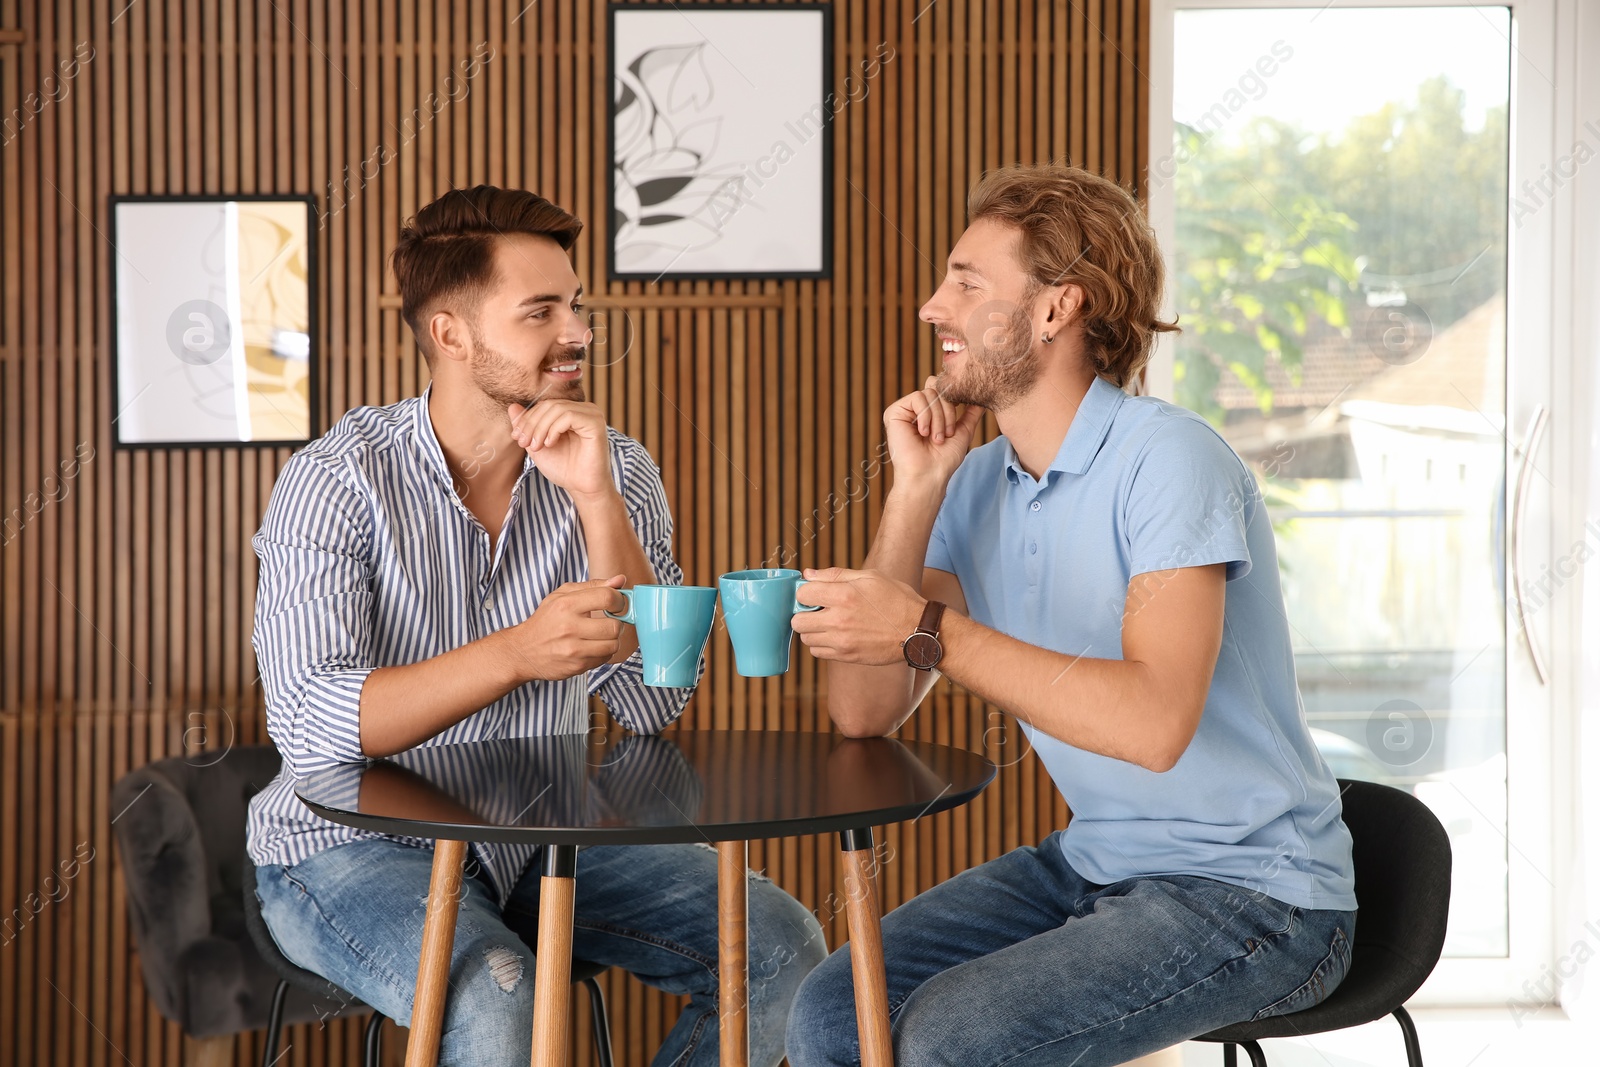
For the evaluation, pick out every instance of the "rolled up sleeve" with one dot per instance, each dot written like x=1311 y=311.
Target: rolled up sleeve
x=313 y=625
x=641 y=708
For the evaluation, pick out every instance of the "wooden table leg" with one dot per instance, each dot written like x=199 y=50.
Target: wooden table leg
x=433 y=964
x=866 y=948
x=552 y=975
x=733 y=951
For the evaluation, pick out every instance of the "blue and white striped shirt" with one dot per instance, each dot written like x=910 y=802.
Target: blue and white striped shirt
x=369 y=559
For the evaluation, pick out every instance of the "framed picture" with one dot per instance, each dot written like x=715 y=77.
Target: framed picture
x=720 y=140
x=214 y=321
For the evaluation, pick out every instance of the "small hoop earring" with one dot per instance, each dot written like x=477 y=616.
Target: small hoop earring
x=1045 y=338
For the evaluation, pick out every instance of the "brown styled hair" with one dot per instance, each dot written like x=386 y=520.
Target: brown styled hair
x=1081 y=229
x=447 y=250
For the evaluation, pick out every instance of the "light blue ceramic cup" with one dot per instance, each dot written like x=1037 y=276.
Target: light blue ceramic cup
x=758 y=606
x=673 y=622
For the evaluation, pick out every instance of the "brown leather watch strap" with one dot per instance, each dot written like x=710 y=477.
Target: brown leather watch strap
x=922 y=649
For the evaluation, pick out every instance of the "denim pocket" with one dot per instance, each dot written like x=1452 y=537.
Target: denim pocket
x=1268 y=920
x=288 y=876
x=1328 y=973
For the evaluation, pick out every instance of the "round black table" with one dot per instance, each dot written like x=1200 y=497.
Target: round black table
x=724 y=787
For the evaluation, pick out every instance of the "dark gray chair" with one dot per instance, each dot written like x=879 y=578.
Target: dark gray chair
x=180 y=830
x=209 y=963
x=1402 y=866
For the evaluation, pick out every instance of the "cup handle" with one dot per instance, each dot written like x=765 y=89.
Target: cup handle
x=627 y=615
x=798 y=607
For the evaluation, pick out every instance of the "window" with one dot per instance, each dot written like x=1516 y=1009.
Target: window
x=1360 y=300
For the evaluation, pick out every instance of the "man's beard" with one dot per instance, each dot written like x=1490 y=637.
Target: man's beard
x=503 y=381
x=994 y=378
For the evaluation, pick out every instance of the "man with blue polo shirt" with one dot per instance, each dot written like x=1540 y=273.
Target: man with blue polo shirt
x=1105 y=571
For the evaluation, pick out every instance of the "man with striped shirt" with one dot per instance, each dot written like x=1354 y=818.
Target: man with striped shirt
x=431 y=573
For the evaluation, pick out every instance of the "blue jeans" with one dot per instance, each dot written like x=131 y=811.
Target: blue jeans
x=1021 y=961
x=354 y=913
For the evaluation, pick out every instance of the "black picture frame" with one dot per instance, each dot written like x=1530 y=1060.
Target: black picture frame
x=822 y=11
x=313 y=319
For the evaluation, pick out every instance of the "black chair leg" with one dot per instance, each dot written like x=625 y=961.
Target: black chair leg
x=1253 y=1050
x=1409 y=1029
x=269 y=1047
x=372 y=1046
x=1230 y=1054
x=602 y=1024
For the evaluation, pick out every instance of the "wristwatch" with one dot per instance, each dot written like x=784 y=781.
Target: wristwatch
x=922 y=649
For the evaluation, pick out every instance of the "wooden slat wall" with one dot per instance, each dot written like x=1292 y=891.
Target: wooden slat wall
x=127 y=599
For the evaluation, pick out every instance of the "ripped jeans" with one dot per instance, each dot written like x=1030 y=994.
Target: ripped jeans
x=353 y=914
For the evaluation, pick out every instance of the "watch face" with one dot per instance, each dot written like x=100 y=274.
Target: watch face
x=923 y=651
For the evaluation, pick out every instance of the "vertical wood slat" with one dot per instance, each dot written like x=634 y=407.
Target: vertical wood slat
x=112 y=907
x=136 y=590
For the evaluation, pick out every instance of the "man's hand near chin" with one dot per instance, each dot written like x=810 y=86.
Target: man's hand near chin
x=569 y=442
x=874 y=609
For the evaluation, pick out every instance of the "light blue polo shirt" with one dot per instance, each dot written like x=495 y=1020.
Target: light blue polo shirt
x=1142 y=485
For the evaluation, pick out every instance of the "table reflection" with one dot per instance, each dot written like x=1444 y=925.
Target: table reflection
x=685 y=785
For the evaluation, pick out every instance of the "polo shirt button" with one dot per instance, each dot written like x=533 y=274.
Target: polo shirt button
x=1034 y=506
x=1033 y=547
x=488 y=603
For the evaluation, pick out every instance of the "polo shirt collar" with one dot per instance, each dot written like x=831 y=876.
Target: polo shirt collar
x=1088 y=431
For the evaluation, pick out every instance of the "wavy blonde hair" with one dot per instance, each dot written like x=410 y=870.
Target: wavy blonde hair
x=1081 y=229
